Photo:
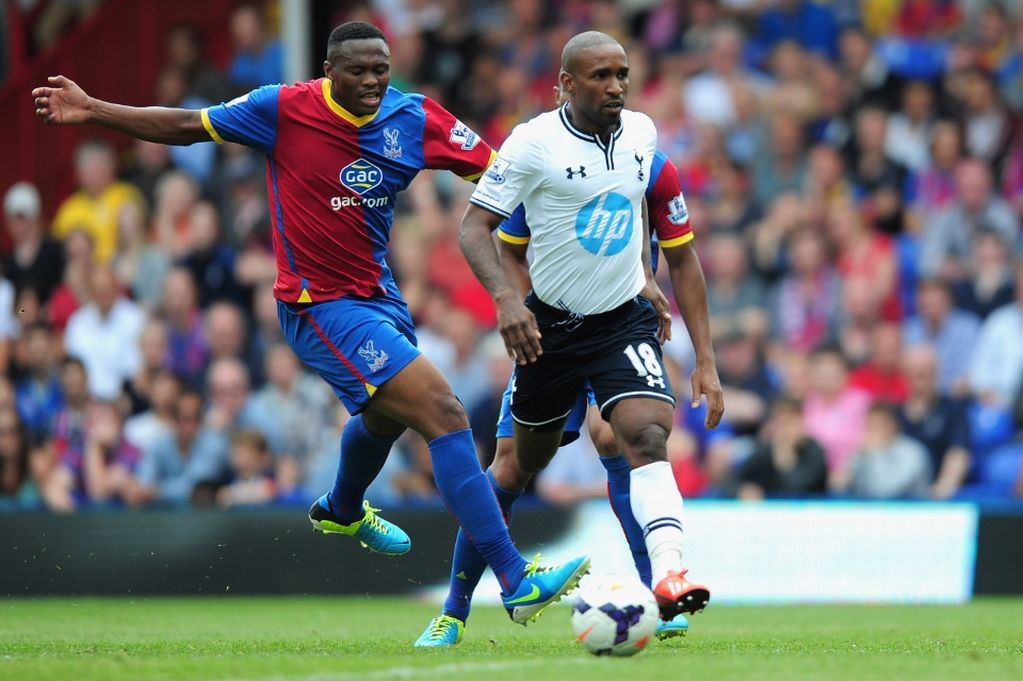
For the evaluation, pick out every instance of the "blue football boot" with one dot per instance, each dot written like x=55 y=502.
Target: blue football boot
x=672 y=628
x=371 y=531
x=442 y=632
x=542 y=585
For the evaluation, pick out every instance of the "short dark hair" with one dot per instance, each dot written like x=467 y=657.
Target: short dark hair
x=351 y=30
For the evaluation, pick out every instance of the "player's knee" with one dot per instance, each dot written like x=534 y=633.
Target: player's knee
x=604 y=440
x=506 y=470
x=446 y=414
x=646 y=444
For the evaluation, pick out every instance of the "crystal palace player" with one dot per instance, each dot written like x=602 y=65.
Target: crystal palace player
x=670 y=231
x=584 y=207
x=338 y=150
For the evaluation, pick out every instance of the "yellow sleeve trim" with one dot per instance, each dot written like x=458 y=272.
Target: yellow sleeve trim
x=678 y=241
x=476 y=176
x=511 y=238
x=208 y=124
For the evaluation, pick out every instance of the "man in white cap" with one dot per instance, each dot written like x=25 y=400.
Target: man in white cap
x=36 y=261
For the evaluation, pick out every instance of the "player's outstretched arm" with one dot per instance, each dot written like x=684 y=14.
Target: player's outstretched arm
x=690 y=290
x=63 y=102
x=514 y=320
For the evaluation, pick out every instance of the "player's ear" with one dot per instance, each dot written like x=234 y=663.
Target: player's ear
x=565 y=81
x=328 y=69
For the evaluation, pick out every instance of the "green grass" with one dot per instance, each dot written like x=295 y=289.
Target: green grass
x=351 y=639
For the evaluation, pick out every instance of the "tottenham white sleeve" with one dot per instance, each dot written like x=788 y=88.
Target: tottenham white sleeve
x=514 y=174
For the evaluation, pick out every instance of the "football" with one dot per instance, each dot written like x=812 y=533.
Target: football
x=614 y=615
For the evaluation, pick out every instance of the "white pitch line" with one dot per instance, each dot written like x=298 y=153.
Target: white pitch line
x=409 y=672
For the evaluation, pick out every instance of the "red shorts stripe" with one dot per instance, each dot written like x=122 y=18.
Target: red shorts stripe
x=333 y=348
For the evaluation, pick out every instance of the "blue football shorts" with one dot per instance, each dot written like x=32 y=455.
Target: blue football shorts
x=355 y=344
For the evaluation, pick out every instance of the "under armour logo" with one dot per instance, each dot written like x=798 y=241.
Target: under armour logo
x=639 y=160
x=571 y=173
x=655 y=381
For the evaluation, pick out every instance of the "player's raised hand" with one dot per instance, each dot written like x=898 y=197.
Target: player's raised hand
x=706 y=382
x=652 y=292
x=519 y=330
x=61 y=102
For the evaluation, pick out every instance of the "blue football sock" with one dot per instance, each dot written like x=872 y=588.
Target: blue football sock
x=467 y=565
x=470 y=499
x=362 y=456
x=618 y=494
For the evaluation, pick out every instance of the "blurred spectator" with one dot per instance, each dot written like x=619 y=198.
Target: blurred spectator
x=187 y=349
x=56 y=18
x=230 y=406
x=989 y=282
x=937 y=421
x=865 y=257
x=733 y=208
x=483 y=417
x=295 y=408
x=933 y=186
x=258 y=59
x=833 y=411
x=107 y=473
x=153 y=353
x=785 y=463
x=246 y=215
x=38 y=393
x=805 y=302
x=178 y=462
x=251 y=481
x=909 y=129
x=708 y=95
x=141 y=266
x=185 y=51
x=950 y=332
x=225 y=332
x=889 y=465
x=882 y=376
x=145 y=165
x=781 y=164
x=947 y=239
x=266 y=330
x=867 y=77
x=748 y=386
x=18 y=488
x=104 y=334
x=73 y=291
x=467 y=365
x=987 y=124
x=877 y=178
x=210 y=260
x=176 y=196
x=97 y=204
x=826 y=184
x=734 y=295
x=68 y=439
x=36 y=261
x=996 y=371
x=197 y=160
x=143 y=429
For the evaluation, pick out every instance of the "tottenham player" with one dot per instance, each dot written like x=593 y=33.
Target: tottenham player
x=670 y=231
x=338 y=151
x=585 y=319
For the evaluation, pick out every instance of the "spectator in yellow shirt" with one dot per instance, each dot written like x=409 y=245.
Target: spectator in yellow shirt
x=98 y=201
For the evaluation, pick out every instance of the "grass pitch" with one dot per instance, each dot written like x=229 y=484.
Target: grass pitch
x=356 y=639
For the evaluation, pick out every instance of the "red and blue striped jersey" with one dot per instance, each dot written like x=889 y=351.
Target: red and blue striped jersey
x=669 y=217
x=333 y=177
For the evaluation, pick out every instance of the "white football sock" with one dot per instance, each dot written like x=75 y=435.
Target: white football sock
x=657 y=505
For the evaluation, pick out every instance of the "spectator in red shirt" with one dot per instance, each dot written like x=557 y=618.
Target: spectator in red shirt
x=882 y=376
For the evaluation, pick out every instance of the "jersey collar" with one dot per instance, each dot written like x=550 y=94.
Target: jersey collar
x=587 y=136
x=357 y=121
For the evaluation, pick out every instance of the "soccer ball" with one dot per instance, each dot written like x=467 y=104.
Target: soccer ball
x=614 y=615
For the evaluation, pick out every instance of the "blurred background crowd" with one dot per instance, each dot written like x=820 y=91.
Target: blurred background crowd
x=853 y=172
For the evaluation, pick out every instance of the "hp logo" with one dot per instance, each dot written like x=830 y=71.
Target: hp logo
x=604 y=225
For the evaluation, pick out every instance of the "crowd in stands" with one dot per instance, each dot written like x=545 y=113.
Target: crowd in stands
x=853 y=172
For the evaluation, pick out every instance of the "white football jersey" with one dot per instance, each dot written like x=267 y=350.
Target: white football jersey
x=583 y=203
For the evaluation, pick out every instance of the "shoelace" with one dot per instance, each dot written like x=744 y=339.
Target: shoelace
x=440 y=626
x=534 y=567
x=373 y=520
